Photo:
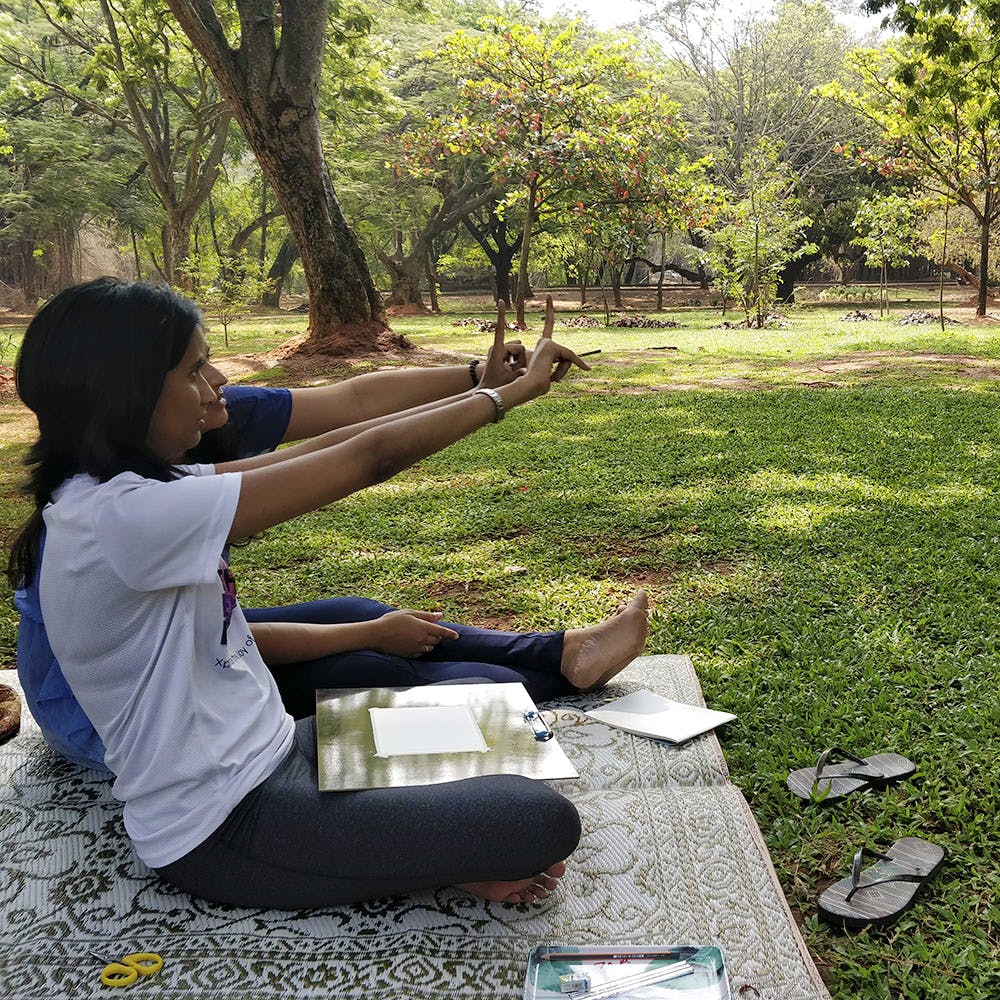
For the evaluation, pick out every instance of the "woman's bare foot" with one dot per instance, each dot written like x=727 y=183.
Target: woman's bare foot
x=525 y=890
x=593 y=655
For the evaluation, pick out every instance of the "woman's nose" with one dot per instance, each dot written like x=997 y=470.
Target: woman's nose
x=214 y=377
x=209 y=392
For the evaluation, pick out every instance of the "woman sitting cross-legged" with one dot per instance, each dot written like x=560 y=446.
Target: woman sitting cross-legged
x=219 y=782
x=391 y=648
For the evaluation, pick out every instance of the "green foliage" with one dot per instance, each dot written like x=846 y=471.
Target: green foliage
x=226 y=288
x=561 y=123
x=939 y=118
x=746 y=78
x=889 y=234
x=761 y=234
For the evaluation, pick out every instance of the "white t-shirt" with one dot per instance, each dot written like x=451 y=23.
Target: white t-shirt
x=132 y=595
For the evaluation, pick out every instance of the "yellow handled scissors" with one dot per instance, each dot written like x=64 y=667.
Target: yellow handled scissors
x=126 y=971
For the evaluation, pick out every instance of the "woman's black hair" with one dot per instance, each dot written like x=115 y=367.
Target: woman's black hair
x=91 y=368
x=216 y=446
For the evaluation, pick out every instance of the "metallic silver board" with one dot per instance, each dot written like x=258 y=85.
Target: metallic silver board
x=346 y=744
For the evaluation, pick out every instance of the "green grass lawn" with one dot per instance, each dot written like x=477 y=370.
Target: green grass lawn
x=814 y=511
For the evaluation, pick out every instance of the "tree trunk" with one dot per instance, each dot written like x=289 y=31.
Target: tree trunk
x=616 y=285
x=502 y=282
x=699 y=274
x=944 y=257
x=404 y=274
x=176 y=243
x=500 y=252
x=344 y=305
x=273 y=92
x=135 y=253
x=663 y=271
x=521 y=293
x=984 y=252
x=791 y=273
x=281 y=267
x=430 y=270
x=406 y=269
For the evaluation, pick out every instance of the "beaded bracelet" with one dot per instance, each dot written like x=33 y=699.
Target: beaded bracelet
x=473 y=365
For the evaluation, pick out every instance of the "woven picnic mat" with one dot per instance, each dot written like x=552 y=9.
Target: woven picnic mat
x=670 y=855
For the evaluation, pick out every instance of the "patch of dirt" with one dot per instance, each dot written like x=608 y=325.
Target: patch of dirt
x=240 y=367
x=18 y=424
x=8 y=388
x=11 y=317
x=963 y=364
x=320 y=368
x=469 y=591
x=347 y=342
x=410 y=309
x=477 y=603
x=496 y=624
x=722 y=567
x=652 y=580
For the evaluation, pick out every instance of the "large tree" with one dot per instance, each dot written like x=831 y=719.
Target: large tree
x=127 y=70
x=939 y=118
x=753 y=79
x=270 y=75
x=547 y=109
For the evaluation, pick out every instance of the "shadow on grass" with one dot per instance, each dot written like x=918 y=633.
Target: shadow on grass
x=831 y=561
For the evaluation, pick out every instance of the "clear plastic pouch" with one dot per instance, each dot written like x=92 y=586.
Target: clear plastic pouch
x=626 y=972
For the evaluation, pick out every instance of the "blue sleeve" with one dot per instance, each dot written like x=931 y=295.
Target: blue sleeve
x=62 y=721
x=258 y=418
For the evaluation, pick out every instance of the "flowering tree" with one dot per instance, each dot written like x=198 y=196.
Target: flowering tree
x=557 y=121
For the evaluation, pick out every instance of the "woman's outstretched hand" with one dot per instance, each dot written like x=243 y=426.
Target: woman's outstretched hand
x=547 y=363
x=409 y=633
x=507 y=359
x=550 y=361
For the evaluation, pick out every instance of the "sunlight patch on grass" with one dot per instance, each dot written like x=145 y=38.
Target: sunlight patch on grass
x=801 y=518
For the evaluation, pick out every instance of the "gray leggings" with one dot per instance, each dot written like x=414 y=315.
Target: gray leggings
x=289 y=846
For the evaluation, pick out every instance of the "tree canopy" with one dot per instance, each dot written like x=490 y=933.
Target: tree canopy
x=375 y=148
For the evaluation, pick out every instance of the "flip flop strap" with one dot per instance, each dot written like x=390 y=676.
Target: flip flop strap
x=856 y=872
x=826 y=755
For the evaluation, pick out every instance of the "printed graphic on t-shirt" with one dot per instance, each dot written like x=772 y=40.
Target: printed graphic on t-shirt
x=228 y=597
x=240 y=652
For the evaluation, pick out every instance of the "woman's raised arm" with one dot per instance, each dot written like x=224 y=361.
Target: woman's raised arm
x=505 y=362
x=285 y=487
x=363 y=398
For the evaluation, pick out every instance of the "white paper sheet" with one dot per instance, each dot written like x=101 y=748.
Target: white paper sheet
x=407 y=731
x=647 y=714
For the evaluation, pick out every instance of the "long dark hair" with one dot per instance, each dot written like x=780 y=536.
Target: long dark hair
x=91 y=368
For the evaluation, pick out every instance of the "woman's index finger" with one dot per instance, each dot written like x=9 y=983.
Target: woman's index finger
x=499 y=334
x=550 y=318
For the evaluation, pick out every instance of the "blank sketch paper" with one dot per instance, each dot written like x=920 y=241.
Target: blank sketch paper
x=392 y=737
x=400 y=732
x=647 y=714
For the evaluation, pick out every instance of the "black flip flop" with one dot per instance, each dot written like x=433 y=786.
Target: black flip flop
x=883 y=893
x=829 y=782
